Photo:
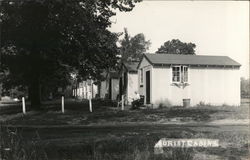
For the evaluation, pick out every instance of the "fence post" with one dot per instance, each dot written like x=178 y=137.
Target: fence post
x=122 y=102
x=90 y=94
x=90 y=104
x=62 y=104
x=23 y=104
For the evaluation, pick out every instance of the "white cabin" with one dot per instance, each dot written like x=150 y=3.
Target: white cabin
x=128 y=81
x=171 y=78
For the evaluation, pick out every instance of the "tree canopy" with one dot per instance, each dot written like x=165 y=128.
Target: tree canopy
x=44 y=41
x=133 y=47
x=175 y=46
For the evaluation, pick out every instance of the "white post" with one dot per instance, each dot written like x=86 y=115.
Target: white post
x=90 y=96
x=62 y=104
x=122 y=102
x=90 y=105
x=24 y=108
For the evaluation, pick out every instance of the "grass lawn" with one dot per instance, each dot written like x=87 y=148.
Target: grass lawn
x=124 y=142
x=133 y=141
x=76 y=113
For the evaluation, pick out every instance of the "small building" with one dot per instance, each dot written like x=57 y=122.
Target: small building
x=128 y=81
x=171 y=78
x=85 y=89
x=109 y=88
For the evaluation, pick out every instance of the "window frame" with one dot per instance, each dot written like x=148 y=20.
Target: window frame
x=178 y=74
x=182 y=73
x=185 y=74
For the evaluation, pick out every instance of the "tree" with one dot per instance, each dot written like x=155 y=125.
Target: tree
x=245 y=87
x=43 y=41
x=175 y=46
x=133 y=47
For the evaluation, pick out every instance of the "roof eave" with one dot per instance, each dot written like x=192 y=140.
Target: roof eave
x=144 y=55
x=207 y=65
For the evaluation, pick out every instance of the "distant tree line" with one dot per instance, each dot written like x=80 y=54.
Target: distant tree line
x=133 y=47
x=175 y=46
x=245 y=87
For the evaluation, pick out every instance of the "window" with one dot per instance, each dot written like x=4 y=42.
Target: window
x=141 y=76
x=176 y=74
x=185 y=74
x=180 y=74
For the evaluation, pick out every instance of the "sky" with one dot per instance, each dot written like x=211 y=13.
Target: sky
x=216 y=27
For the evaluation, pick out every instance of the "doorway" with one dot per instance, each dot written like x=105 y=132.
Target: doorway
x=147 y=87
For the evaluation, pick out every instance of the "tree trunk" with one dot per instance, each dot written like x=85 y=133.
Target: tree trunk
x=35 y=95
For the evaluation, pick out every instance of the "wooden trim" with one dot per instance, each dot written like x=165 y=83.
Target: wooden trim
x=133 y=71
x=142 y=59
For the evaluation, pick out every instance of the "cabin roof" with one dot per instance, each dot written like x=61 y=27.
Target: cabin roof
x=156 y=59
x=113 y=74
x=131 y=66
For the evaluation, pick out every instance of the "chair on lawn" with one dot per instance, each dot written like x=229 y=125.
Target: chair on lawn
x=138 y=103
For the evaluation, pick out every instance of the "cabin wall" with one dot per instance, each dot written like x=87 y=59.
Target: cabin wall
x=215 y=86
x=140 y=86
x=95 y=91
x=103 y=89
x=114 y=88
x=132 y=86
x=161 y=86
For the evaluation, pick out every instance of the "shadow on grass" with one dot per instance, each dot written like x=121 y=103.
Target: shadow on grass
x=24 y=145
x=77 y=113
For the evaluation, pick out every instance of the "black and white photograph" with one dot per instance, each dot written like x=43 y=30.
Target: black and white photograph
x=124 y=80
